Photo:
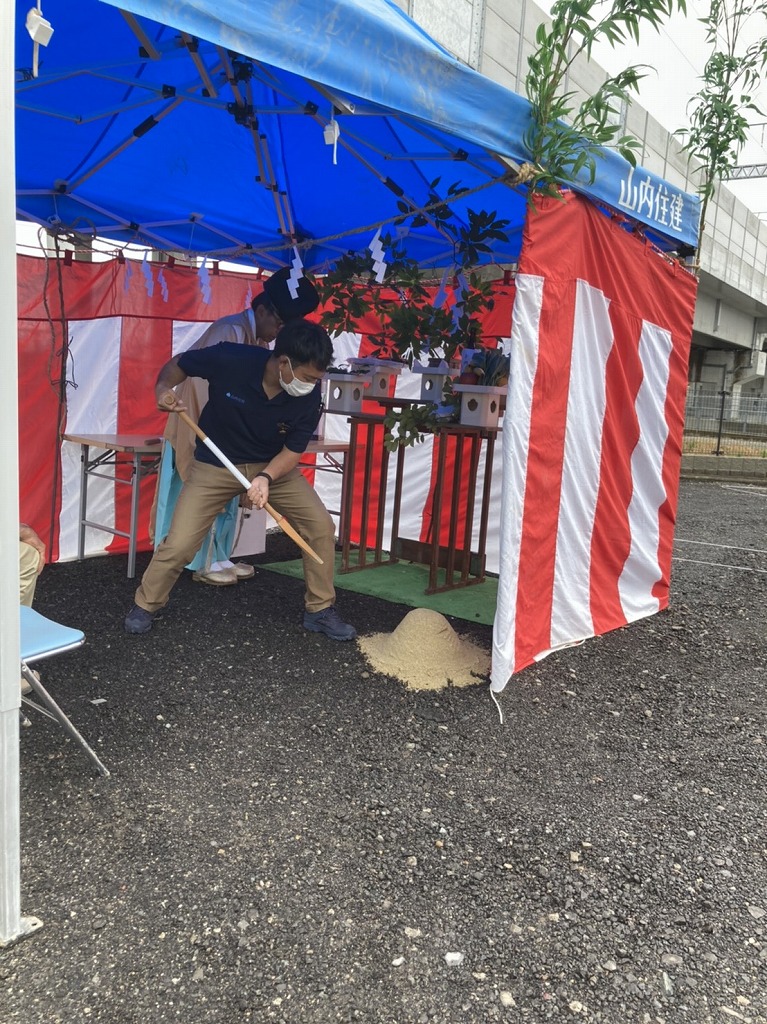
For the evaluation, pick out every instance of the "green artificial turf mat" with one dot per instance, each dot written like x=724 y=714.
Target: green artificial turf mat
x=405 y=583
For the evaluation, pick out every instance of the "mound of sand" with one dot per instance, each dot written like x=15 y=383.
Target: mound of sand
x=426 y=653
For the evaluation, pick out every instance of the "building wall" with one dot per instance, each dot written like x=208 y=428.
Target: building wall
x=497 y=36
x=721 y=321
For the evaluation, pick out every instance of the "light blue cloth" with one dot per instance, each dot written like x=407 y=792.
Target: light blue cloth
x=217 y=546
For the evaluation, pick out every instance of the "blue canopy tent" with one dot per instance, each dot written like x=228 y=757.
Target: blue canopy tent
x=240 y=129
x=202 y=127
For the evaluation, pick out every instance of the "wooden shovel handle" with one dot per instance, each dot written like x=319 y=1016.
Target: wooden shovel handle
x=279 y=519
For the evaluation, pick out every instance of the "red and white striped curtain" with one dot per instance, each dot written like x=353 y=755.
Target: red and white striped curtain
x=583 y=500
x=592 y=435
x=122 y=322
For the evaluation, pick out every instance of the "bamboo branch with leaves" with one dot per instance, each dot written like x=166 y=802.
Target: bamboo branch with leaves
x=565 y=139
x=719 y=120
x=409 y=326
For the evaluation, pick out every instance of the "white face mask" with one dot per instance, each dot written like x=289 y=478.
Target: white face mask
x=296 y=388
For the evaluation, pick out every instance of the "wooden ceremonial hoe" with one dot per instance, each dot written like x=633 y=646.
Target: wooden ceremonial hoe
x=279 y=519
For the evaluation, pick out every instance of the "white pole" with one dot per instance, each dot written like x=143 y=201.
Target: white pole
x=12 y=925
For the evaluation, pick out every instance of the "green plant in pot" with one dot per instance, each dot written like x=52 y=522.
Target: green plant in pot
x=407 y=324
x=488 y=367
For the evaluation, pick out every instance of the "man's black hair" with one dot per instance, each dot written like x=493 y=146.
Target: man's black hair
x=304 y=342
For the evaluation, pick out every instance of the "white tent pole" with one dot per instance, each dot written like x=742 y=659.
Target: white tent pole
x=12 y=925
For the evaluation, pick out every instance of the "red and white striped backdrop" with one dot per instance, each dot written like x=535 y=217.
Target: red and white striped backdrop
x=592 y=435
x=119 y=337
x=123 y=321
x=584 y=499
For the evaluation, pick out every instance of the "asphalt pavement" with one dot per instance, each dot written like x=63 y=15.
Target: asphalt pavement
x=287 y=836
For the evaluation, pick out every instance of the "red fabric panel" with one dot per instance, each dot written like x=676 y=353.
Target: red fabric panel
x=39 y=466
x=369 y=434
x=144 y=348
x=496 y=322
x=93 y=291
x=564 y=242
x=372 y=407
x=448 y=491
x=611 y=536
x=547 y=437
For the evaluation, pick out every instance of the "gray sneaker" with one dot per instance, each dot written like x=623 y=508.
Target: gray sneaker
x=138 y=620
x=329 y=622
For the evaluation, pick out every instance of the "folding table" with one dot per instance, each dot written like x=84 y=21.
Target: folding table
x=145 y=460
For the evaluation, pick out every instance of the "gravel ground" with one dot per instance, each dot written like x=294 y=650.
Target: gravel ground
x=287 y=836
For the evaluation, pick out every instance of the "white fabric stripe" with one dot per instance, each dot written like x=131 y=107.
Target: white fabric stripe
x=586 y=400
x=492 y=544
x=417 y=473
x=185 y=334
x=345 y=346
x=335 y=427
x=642 y=569
x=516 y=439
x=91 y=409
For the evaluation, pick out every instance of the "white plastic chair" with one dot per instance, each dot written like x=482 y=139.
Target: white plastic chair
x=43 y=638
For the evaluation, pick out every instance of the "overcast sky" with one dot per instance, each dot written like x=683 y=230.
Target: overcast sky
x=678 y=54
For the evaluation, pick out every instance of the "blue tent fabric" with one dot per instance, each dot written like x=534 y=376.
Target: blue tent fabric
x=200 y=126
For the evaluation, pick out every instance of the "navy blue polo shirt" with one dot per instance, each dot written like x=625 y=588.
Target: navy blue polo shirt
x=239 y=417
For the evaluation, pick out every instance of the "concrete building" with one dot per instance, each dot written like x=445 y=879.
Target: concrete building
x=729 y=345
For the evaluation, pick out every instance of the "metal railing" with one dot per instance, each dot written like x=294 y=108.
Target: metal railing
x=723 y=423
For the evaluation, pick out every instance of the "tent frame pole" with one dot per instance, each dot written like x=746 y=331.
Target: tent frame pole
x=13 y=926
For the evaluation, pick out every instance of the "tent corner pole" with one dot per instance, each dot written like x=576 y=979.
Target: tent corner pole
x=13 y=926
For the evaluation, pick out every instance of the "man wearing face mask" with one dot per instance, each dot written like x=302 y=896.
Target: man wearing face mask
x=262 y=410
x=258 y=325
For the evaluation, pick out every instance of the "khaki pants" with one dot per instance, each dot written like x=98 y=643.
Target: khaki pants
x=29 y=560
x=207 y=490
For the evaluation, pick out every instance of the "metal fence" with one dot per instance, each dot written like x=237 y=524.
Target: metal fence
x=720 y=423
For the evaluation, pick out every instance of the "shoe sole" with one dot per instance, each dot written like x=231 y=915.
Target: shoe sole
x=330 y=636
x=138 y=632
x=213 y=583
x=143 y=628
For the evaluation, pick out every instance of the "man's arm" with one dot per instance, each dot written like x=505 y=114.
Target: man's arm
x=169 y=376
x=258 y=492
